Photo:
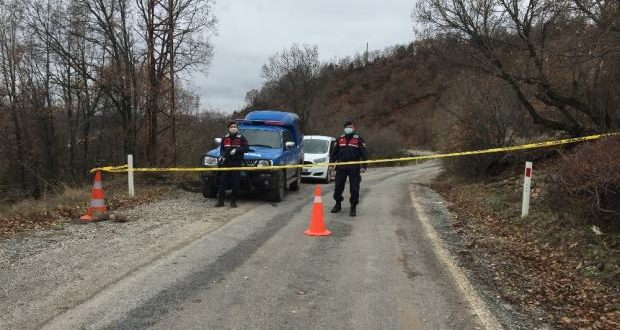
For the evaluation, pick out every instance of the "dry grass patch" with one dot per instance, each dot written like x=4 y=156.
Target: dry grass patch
x=72 y=202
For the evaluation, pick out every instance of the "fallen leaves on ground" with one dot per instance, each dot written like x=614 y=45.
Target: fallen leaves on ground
x=530 y=274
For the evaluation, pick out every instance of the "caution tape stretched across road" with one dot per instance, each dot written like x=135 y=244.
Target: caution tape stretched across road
x=124 y=168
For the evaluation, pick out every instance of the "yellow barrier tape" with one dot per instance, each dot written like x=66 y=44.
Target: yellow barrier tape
x=124 y=168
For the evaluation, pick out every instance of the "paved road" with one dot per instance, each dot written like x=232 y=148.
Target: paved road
x=376 y=271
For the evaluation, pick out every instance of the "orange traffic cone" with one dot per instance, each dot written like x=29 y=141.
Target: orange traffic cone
x=97 y=201
x=317 y=223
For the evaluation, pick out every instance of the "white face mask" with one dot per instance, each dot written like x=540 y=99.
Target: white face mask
x=233 y=130
x=348 y=130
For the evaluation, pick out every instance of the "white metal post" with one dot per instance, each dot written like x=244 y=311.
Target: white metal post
x=527 y=183
x=130 y=175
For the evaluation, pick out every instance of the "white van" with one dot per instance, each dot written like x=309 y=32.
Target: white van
x=316 y=150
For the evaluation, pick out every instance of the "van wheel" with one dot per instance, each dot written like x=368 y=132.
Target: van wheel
x=295 y=185
x=277 y=195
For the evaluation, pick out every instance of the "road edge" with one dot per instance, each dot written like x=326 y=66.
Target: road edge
x=480 y=308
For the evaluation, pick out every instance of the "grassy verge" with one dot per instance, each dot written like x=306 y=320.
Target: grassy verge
x=550 y=265
x=71 y=202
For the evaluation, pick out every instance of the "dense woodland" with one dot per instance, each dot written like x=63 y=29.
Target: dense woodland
x=87 y=82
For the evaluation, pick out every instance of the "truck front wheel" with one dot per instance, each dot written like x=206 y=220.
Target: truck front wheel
x=295 y=185
x=277 y=194
x=208 y=191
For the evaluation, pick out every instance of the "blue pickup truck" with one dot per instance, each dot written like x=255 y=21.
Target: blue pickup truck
x=275 y=138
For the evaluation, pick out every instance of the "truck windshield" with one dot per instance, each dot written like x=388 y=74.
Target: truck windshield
x=260 y=138
x=316 y=146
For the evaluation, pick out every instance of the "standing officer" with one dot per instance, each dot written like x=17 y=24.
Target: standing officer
x=349 y=147
x=232 y=148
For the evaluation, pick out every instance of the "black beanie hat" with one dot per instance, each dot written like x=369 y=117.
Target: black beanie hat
x=348 y=122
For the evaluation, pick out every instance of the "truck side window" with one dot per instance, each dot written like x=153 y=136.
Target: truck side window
x=287 y=137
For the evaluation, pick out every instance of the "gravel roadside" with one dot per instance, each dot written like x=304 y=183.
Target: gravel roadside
x=46 y=272
x=437 y=210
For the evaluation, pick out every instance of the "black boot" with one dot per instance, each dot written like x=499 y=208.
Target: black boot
x=353 y=211
x=336 y=208
x=220 y=199
x=233 y=198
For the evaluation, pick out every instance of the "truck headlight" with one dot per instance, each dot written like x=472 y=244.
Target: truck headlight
x=264 y=162
x=209 y=161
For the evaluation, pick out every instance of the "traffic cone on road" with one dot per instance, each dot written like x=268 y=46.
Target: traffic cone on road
x=317 y=223
x=97 y=201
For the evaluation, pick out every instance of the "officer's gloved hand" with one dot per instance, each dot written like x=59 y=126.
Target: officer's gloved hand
x=233 y=152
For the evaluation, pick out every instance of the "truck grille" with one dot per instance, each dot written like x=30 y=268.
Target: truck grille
x=251 y=162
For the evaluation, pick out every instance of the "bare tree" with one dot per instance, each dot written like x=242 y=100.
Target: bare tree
x=176 y=34
x=251 y=97
x=11 y=56
x=604 y=13
x=104 y=25
x=538 y=47
x=294 y=74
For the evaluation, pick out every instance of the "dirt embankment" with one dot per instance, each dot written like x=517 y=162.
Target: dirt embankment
x=550 y=266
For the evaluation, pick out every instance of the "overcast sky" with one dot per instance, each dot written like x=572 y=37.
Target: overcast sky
x=249 y=32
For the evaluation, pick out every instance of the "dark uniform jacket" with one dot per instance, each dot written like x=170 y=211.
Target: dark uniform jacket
x=230 y=142
x=349 y=148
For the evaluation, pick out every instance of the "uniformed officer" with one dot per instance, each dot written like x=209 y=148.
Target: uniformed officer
x=348 y=147
x=232 y=148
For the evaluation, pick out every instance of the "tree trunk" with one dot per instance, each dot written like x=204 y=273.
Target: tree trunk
x=19 y=149
x=172 y=73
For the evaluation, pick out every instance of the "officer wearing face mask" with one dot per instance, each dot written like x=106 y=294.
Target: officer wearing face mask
x=349 y=147
x=232 y=148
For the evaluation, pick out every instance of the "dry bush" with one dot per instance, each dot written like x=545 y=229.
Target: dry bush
x=480 y=113
x=358 y=94
x=196 y=134
x=590 y=178
x=383 y=143
x=66 y=197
